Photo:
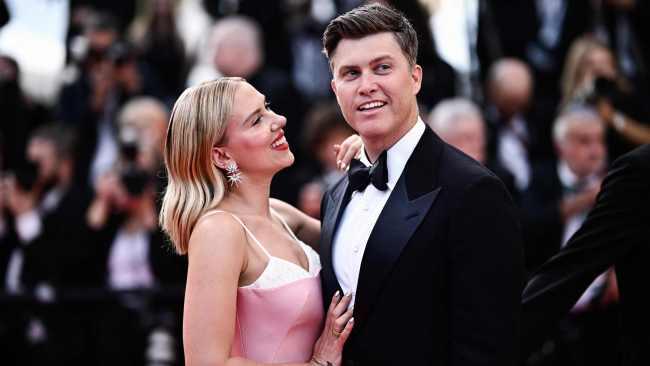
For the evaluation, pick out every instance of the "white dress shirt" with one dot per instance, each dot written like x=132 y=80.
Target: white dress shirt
x=512 y=152
x=362 y=212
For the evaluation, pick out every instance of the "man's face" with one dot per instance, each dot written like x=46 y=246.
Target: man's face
x=584 y=148
x=375 y=86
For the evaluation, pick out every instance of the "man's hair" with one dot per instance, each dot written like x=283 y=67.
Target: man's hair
x=368 y=20
x=571 y=117
x=63 y=137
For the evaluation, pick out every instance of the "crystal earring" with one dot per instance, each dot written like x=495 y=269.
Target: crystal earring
x=233 y=174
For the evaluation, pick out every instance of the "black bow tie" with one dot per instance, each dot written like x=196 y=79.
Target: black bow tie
x=360 y=175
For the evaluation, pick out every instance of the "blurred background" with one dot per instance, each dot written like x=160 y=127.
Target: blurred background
x=545 y=93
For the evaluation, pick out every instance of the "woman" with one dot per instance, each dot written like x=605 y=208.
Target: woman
x=253 y=289
x=591 y=75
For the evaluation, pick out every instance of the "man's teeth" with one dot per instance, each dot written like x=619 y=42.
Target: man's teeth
x=279 y=142
x=371 y=105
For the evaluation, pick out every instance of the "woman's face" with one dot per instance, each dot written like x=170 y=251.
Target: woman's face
x=599 y=62
x=254 y=136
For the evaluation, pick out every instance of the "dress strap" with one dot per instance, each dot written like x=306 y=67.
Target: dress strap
x=286 y=226
x=245 y=229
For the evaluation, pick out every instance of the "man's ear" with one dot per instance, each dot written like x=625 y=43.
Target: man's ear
x=220 y=157
x=333 y=85
x=416 y=75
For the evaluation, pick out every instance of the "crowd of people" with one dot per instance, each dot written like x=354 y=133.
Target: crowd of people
x=554 y=91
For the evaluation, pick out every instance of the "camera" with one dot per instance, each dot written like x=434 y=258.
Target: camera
x=134 y=178
x=605 y=88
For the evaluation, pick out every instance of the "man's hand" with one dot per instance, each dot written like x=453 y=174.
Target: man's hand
x=18 y=200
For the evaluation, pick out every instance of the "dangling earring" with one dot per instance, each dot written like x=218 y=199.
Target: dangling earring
x=233 y=174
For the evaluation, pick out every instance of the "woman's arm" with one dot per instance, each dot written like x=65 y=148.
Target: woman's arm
x=630 y=129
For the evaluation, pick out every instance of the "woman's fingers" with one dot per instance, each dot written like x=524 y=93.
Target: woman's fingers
x=334 y=302
x=346 y=332
x=347 y=151
x=341 y=321
x=342 y=306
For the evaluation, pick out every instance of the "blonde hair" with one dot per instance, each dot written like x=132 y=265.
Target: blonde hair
x=195 y=185
x=573 y=71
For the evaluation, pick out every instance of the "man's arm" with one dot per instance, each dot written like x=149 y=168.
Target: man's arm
x=614 y=226
x=486 y=276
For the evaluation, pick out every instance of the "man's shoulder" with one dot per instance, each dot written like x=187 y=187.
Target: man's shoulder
x=459 y=170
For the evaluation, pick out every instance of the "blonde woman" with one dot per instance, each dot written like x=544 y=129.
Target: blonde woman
x=589 y=60
x=253 y=291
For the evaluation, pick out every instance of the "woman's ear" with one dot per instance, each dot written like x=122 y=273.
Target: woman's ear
x=220 y=157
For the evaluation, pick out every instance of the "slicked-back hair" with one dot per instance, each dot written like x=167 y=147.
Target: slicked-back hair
x=367 y=20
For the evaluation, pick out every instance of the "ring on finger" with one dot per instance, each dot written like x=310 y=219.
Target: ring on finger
x=336 y=333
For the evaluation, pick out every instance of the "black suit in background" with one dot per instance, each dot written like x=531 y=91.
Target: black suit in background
x=442 y=271
x=616 y=232
x=542 y=221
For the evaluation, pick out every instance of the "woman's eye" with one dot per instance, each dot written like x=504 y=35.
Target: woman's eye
x=257 y=120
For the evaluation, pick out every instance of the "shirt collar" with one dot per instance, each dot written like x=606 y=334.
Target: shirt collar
x=400 y=152
x=568 y=178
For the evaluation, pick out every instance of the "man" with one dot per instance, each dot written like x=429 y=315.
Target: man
x=616 y=232
x=517 y=135
x=459 y=123
x=555 y=205
x=561 y=194
x=431 y=249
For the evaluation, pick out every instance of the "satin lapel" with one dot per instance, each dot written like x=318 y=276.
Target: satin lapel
x=330 y=223
x=410 y=201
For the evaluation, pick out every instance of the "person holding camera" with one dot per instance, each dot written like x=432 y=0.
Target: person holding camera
x=591 y=76
x=46 y=234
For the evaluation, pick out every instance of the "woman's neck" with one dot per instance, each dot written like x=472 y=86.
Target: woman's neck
x=249 y=198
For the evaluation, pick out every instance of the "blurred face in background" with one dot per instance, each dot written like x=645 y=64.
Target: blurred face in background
x=583 y=147
x=598 y=62
x=44 y=154
x=468 y=135
x=511 y=87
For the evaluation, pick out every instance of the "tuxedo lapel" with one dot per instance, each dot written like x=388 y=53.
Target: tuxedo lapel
x=411 y=200
x=338 y=199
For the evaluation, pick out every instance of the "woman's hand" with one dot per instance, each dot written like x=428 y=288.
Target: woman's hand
x=338 y=326
x=349 y=149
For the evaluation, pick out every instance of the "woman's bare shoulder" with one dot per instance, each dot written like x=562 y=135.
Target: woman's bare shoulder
x=218 y=233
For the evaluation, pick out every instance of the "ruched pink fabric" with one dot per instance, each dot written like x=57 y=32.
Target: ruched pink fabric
x=279 y=324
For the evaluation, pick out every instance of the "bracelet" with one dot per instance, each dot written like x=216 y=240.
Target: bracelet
x=319 y=362
x=619 y=121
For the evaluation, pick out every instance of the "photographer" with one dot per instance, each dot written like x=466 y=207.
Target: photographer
x=105 y=75
x=591 y=76
x=132 y=253
x=49 y=255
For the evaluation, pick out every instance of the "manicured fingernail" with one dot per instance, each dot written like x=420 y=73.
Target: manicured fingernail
x=337 y=293
x=343 y=166
x=351 y=320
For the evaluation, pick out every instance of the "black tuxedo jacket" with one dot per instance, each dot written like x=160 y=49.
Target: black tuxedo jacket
x=616 y=232
x=442 y=274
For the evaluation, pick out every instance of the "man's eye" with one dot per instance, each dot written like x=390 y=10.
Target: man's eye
x=351 y=73
x=257 y=120
x=383 y=67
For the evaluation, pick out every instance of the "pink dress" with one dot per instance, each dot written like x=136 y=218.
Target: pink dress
x=280 y=315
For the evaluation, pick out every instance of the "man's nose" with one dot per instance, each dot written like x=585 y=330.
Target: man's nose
x=368 y=84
